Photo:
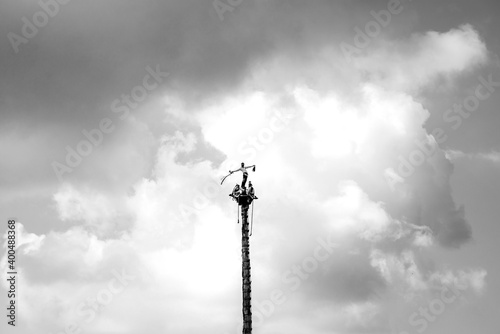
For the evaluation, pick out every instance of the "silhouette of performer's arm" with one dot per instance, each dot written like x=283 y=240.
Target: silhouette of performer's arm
x=242 y=169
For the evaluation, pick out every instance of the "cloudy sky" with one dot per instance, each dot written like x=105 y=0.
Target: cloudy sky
x=373 y=125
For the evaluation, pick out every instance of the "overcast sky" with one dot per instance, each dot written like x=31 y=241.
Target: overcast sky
x=373 y=125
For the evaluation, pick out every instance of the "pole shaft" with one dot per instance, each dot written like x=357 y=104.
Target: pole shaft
x=247 y=282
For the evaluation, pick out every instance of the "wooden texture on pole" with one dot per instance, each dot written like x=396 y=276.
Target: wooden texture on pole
x=247 y=282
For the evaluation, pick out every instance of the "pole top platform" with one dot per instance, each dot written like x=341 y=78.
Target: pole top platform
x=242 y=197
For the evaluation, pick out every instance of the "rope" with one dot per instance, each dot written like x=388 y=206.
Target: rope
x=251 y=225
x=238 y=213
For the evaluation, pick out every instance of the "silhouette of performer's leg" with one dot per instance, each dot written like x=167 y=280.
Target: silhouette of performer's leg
x=245 y=176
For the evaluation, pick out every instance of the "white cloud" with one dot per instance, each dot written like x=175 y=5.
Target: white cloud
x=462 y=280
x=492 y=156
x=417 y=62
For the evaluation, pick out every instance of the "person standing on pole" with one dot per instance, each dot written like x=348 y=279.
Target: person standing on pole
x=243 y=169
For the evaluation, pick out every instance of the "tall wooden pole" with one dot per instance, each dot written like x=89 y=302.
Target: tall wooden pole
x=246 y=276
x=244 y=198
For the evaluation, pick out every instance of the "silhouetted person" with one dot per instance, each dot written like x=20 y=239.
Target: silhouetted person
x=251 y=190
x=243 y=169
